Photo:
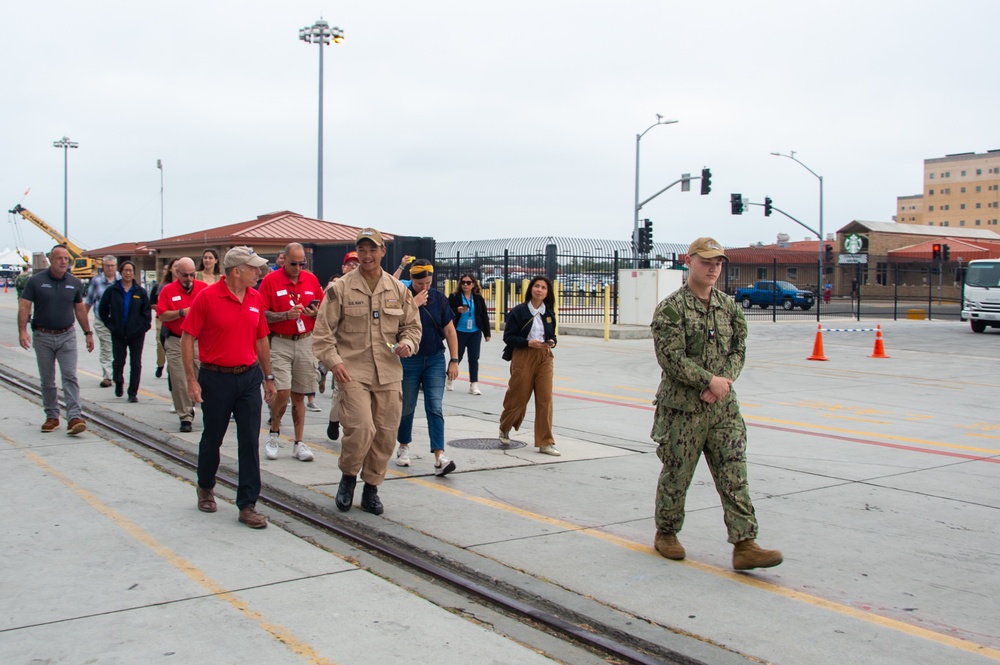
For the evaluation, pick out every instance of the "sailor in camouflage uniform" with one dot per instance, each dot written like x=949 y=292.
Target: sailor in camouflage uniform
x=700 y=340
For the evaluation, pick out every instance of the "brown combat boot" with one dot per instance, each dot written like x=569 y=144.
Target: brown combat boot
x=747 y=555
x=668 y=546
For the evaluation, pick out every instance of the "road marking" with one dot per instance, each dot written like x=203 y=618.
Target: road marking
x=742 y=578
x=278 y=632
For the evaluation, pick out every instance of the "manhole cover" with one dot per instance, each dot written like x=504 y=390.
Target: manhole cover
x=486 y=444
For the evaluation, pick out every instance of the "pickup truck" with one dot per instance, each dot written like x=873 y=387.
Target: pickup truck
x=768 y=293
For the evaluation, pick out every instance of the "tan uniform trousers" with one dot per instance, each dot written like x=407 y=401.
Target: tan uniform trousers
x=370 y=417
x=335 y=401
x=178 y=383
x=161 y=353
x=531 y=370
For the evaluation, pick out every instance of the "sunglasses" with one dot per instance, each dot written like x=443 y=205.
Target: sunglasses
x=465 y=281
x=187 y=274
x=296 y=264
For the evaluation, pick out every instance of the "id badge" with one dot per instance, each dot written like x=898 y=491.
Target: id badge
x=300 y=325
x=468 y=323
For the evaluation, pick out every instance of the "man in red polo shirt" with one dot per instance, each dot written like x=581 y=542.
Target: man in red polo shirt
x=291 y=296
x=227 y=318
x=172 y=305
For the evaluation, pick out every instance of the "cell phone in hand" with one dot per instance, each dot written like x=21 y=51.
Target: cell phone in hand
x=315 y=303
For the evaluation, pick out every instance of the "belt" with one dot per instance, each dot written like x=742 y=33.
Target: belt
x=50 y=331
x=294 y=338
x=239 y=369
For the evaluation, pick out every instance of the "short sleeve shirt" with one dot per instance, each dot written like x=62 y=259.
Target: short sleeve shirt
x=435 y=314
x=53 y=299
x=173 y=297
x=280 y=293
x=227 y=329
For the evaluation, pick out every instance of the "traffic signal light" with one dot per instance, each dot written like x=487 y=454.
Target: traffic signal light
x=706 y=181
x=828 y=253
x=736 y=203
x=936 y=251
x=649 y=234
x=767 y=206
x=946 y=253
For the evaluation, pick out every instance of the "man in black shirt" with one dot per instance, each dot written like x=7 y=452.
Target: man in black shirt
x=57 y=298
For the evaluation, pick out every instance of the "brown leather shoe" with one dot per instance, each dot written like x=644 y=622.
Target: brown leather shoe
x=253 y=519
x=50 y=425
x=105 y=383
x=206 y=500
x=75 y=426
x=668 y=546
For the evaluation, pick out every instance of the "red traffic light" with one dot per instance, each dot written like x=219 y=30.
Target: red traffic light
x=936 y=251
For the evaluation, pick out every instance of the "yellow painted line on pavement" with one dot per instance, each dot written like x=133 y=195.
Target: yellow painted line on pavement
x=984 y=436
x=741 y=578
x=278 y=632
x=874 y=435
x=860 y=420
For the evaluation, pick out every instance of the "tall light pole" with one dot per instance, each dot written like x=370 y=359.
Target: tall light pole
x=65 y=144
x=822 y=237
x=159 y=165
x=320 y=33
x=635 y=209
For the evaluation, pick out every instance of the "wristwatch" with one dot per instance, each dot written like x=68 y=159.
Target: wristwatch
x=454 y=360
x=269 y=377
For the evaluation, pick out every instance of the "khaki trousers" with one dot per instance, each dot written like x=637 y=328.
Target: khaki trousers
x=370 y=417
x=178 y=383
x=530 y=371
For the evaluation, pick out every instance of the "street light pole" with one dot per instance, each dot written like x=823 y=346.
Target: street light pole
x=320 y=33
x=822 y=238
x=159 y=165
x=635 y=208
x=65 y=144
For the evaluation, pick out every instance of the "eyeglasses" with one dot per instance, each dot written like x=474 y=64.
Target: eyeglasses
x=295 y=264
x=465 y=281
x=187 y=274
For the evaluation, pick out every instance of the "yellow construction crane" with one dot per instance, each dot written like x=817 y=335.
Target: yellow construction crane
x=83 y=267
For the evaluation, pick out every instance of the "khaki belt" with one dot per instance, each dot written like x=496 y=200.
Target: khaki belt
x=52 y=332
x=294 y=338
x=239 y=369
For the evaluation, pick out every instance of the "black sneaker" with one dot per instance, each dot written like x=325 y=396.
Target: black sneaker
x=333 y=430
x=185 y=426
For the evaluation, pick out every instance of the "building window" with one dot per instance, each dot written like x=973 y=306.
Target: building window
x=734 y=274
x=946 y=174
x=979 y=188
x=979 y=172
x=932 y=192
x=761 y=273
x=962 y=223
x=963 y=173
x=793 y=275
x=930 y=208
x=882 y=273
x=963 y=189
x=962 y=206
x=977 y=222
x=945 y=223
x=978 y=205
x=932 y=175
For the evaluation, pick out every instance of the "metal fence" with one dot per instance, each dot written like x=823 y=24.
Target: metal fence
x=883 y=288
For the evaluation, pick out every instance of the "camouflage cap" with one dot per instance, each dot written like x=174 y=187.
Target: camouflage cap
x=707 y=248
x=370 y=234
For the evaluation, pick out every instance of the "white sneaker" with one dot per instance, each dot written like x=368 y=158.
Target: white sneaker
x=311 y=406
x=173 y=409
x=474 y=389
x=271 y=447
x=448 y=384
x=443 y=466
x=504 y=437
x=301 y=452
x=549 y=450
x=403 y=455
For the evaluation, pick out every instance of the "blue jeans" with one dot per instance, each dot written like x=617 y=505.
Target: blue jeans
x=474 y=342
x=428 y=372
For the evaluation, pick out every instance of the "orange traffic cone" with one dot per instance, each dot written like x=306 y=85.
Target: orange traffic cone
x=818 y=345
x=879 y=351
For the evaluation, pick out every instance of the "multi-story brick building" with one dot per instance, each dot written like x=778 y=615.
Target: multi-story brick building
x=960 y=190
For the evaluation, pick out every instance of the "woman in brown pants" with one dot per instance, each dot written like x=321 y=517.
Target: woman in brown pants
x=530 y=336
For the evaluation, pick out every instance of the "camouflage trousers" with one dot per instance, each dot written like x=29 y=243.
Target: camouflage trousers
x=717 y=430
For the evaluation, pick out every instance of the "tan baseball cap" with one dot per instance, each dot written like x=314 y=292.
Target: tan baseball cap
x=370 y=234
x=241 y=255
x=707 y=248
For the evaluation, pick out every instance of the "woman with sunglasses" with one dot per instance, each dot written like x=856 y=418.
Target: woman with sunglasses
x=472 y=322
x=530 y=336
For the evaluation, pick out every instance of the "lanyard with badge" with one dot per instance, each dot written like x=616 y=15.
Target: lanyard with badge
x=470 y=314
x=300 y=325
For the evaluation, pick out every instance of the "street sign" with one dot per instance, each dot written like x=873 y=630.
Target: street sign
x=852 y=258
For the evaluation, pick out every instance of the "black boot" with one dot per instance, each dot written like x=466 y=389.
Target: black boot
x=345 y=493
x=370 y=500
x=333 y=430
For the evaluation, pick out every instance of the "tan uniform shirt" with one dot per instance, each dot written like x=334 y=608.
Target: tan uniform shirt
x=356 y=326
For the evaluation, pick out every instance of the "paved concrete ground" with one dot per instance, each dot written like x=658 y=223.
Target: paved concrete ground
x=878 y=478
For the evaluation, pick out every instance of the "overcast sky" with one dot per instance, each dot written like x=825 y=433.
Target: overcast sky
x=469 y=120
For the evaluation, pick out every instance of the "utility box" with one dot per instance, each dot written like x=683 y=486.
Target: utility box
x=640 y=291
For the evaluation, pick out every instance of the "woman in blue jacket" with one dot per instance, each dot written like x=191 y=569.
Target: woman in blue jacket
x=125 y=310
x=530 y=336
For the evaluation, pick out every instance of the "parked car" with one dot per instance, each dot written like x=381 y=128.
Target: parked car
x=769 y=293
